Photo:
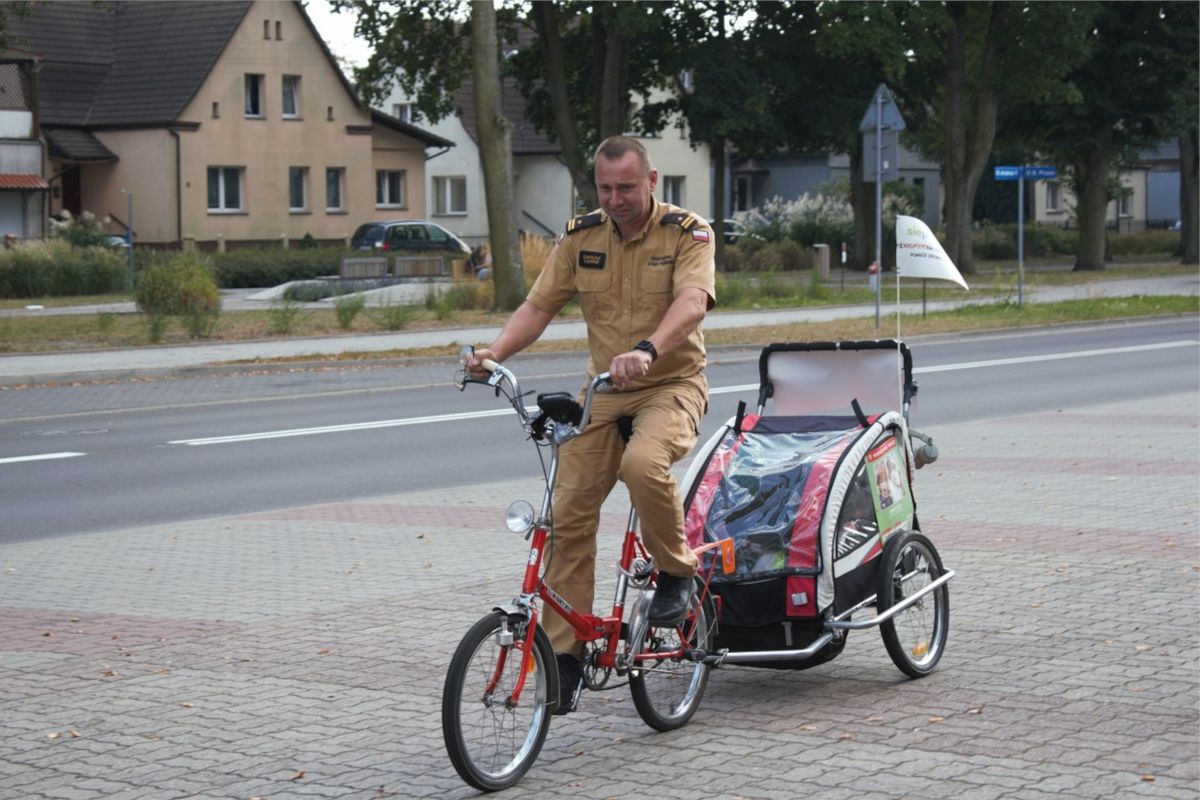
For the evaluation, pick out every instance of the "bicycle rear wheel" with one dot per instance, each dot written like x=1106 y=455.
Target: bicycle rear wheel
x=667 y=692
x=492 y=742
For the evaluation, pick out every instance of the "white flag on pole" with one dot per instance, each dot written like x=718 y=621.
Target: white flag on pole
x=920 y=255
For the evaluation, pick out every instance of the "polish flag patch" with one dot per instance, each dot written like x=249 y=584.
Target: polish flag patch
x=700 y=236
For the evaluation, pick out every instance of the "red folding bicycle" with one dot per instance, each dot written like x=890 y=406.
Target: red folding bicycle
x=502 y=684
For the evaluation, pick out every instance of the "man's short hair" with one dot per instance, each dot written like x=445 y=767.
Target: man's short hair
x=616 y=146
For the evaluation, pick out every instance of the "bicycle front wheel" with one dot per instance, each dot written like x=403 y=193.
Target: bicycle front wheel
x=493 y=741
x=667 y=691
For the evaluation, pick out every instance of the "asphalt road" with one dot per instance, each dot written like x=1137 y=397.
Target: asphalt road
x=95 y=457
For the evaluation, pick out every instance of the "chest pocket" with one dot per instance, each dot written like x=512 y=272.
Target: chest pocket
x=593 y=287
x=655 y=296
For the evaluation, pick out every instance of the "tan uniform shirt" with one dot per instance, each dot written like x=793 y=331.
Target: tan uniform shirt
x=625 y=288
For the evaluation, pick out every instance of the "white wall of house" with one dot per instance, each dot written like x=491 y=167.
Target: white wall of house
x=460 y=161
x=544 y=195
x=682 y=170
x=1054 y=203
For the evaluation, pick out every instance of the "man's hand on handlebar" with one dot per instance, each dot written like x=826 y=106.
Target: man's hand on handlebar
x=628 y=367
x=474 y=364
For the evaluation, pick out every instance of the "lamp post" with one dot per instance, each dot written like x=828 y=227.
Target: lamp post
x=129 y=239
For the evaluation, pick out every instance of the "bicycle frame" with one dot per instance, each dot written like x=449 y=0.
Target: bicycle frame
x=635 y=564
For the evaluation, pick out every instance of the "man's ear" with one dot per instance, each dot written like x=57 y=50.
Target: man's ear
x=653 y=179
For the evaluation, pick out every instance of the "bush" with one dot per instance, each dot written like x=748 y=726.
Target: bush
x=83 y=232
x=54 y=268
x=347 y=308
x=253 y=268
x=1143 y=243
x=393 y=316
x=999 y=242
x=284 y=315
x=183 y=287
x=785 y=256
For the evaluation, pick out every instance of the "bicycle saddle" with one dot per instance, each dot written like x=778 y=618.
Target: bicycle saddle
x=560 y=407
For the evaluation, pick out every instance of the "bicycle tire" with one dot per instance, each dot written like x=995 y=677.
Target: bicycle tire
x=668 y=692
x=491 y=744
x=916 y=637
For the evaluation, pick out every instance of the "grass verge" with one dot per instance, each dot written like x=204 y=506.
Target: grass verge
x=997 y=316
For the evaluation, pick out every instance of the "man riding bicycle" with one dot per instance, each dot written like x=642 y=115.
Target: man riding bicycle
x=645 y=276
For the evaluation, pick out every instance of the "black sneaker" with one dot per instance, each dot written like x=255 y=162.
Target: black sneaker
x=570 y=683
x=671 y=600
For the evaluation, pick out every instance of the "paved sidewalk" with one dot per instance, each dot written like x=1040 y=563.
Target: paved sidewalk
x=16 y=369
x=300 y=653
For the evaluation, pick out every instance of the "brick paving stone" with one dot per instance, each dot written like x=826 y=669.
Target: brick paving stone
x=315 y=639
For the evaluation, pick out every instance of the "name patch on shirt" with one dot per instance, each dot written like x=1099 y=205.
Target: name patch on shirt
x=662 y=261
x=590 y=259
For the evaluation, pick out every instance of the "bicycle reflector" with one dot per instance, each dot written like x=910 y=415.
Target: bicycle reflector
x=518 y=517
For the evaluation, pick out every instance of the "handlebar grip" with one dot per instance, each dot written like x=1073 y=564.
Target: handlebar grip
x=489 y=364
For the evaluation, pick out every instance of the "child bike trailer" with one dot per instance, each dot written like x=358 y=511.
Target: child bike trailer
x=817 y=499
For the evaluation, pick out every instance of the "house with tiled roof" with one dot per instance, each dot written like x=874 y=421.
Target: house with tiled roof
x=216 y=123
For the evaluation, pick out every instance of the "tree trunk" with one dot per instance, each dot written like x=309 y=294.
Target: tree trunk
x=1189 y=187
x=1091 y=188
x=495 y=151
x=719 y=162
x=862 y=199
x=614 y=99
x=968 y=143
x=545 y=19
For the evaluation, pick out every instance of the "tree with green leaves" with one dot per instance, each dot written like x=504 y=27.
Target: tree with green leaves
x=706 y=53
x=973 y=67
x=1138 y=88
x=429 y=51
x=590 y=59
x=801 y=47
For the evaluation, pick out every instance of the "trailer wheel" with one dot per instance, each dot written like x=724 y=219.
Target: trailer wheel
x=916 y=637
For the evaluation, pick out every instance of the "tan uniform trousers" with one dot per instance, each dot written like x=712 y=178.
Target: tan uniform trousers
x=666 y=420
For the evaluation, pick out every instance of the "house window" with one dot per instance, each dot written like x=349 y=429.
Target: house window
x=278 y=31
x=266 y=29
x=673 y=189
x=335 y=180
x=1123 y=206
x=402 y=111
x=291 y=96
x=450 y=195
x=389 y=188
x=297 y=188
x=742 y=198
x=225 y=189
x=1053 y=198
x=254 y=96
x=216 y=110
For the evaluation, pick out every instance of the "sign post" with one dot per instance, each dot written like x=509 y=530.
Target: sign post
x=1019 y=174
x=882 y=115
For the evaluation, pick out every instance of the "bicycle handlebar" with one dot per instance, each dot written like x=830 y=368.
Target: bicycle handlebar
x=600 y=383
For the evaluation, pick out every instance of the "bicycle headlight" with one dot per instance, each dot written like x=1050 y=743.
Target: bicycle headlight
x=518 y=517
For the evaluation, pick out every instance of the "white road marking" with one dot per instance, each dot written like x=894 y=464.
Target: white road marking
x=746 y=387
x=1106 y=351
x=41 y=457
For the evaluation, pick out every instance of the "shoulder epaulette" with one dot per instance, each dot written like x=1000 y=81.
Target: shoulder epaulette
x=684 y=219
x=586 y=221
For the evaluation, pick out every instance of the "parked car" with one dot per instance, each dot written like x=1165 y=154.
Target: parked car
x=734 y=230
x=406 y=234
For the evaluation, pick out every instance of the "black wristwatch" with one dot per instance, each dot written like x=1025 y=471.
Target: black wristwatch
x=647 y=346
